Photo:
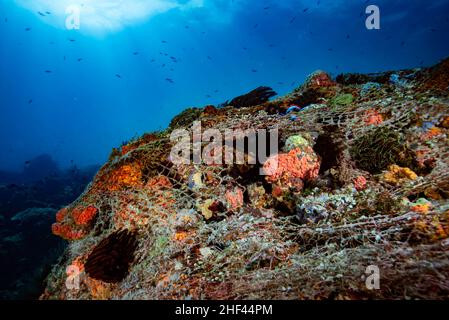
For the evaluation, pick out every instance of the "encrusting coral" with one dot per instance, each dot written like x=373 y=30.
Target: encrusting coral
x=292 y=169
x=398 y=176
x=72 y=224
x=360 y=178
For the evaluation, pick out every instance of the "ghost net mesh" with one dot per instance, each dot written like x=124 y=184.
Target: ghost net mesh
x=224 y=232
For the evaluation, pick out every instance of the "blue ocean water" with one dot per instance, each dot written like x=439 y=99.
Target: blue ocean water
x=132 y=65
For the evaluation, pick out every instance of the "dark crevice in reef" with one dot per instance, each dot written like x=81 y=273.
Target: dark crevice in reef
x=334 y=155
x=246 y=173
x=111 y=258
x=308 y=97
x=327 y=148
x=104 y=222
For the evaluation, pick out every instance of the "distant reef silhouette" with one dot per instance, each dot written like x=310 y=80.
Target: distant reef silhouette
x=28 y=202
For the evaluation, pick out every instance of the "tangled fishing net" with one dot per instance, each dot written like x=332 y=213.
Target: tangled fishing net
x=362 y=180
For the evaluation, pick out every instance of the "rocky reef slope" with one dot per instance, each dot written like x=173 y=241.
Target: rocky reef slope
x=361 y=185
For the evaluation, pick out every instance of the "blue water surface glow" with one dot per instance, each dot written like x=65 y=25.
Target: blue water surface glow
x=75 y=94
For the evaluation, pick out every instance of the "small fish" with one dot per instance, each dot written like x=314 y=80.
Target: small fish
x=209 y=57
x=79 y=59
x=30 y=101
x=41 y=14
x=47 y=12
x=152 y=60
x=136 y=53
x=6 y=20
x=256 y=25
x=169 y=80
x=305 y=10
x=118 y=76
x=253 y=70
x=266 y=8
x=27 y=29
x=208 y=96
x=163 y=41
x=72 y=40
x=48 y=71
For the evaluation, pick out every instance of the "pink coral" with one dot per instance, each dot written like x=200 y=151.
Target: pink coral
x=291 y=169
x=235 y=198
x=360 y=183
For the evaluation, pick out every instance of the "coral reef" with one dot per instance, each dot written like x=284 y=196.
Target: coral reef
x=256 y=97
x=360 y=178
